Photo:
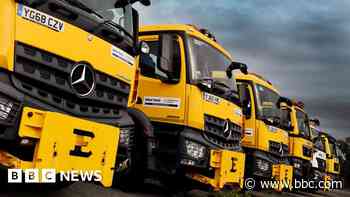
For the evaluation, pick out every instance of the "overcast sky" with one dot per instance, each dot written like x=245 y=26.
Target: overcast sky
x=301 y=46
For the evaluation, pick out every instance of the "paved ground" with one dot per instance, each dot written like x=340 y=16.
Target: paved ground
x=91 y=190
x=334 y=193
x=78 y=190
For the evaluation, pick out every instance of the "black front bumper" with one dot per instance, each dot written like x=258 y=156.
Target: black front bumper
x=194 y=136
x=15 y=100
x=171 y=150
x=252 y=169
x=304 y=169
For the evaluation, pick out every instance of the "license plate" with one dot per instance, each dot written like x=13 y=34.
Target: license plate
x=40 y=18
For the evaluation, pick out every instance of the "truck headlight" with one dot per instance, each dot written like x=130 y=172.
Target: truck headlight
x=9 y=110
x=194 y=150
x=297 y=165
x=124 y=136
x=262 y=165
x=5 y=109
x=27 y=142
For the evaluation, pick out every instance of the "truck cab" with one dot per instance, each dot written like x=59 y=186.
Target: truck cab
x=193 y=106
x=265 y=140
x=300 y=143
x=327 y=158
x=333 y=163
x=67 y=71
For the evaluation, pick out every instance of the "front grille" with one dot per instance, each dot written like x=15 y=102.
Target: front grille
x=45 y=76
x=274 y=147
x=214 y=131
x=277 y=148
x=307 y=152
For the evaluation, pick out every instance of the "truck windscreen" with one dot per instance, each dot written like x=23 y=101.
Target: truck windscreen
x=209 y=62
x=122 y=17
x=303 y=124
x=267 y=102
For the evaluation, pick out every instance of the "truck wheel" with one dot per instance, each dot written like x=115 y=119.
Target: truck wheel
x=131 y=177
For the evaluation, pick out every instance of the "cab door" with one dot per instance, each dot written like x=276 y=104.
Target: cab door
x=250 y=131
x=159 y=99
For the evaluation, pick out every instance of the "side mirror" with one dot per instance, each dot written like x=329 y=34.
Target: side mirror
x=315 y=121
x=244 y=69
x=122 y=3
x=145 y=2
x=136 y=25
x=143 y=48
x=285 y=100
x=329 y=156
x=235 y=66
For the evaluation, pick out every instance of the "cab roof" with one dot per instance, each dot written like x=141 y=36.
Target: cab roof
x=190 y=29
x=256 y=79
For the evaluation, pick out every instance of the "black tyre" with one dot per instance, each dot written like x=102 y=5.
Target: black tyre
x=130 y=171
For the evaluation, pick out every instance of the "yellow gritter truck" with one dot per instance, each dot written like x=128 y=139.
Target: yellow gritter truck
x=66 y=75
x=193 y=107
x=333 y=163
x=319 y=158
x=265 y=139
x=300 y=142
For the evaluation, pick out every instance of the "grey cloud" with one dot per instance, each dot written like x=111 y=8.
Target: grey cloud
x=302 y=46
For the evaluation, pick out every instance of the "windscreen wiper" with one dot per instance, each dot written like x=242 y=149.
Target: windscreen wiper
x=272 y=120
x=119 y=27
x=229 y=90
x=81 y=5
x=221 y=84
x=34 y=3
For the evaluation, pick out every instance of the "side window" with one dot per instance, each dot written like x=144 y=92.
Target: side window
x=149 y=62
x=313 y=132
x=245 y=99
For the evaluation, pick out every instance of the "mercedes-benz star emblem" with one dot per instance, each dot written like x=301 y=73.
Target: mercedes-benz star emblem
x=82 y=79
x=227 y=130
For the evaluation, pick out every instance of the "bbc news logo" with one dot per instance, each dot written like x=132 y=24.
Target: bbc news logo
x=51 y=176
